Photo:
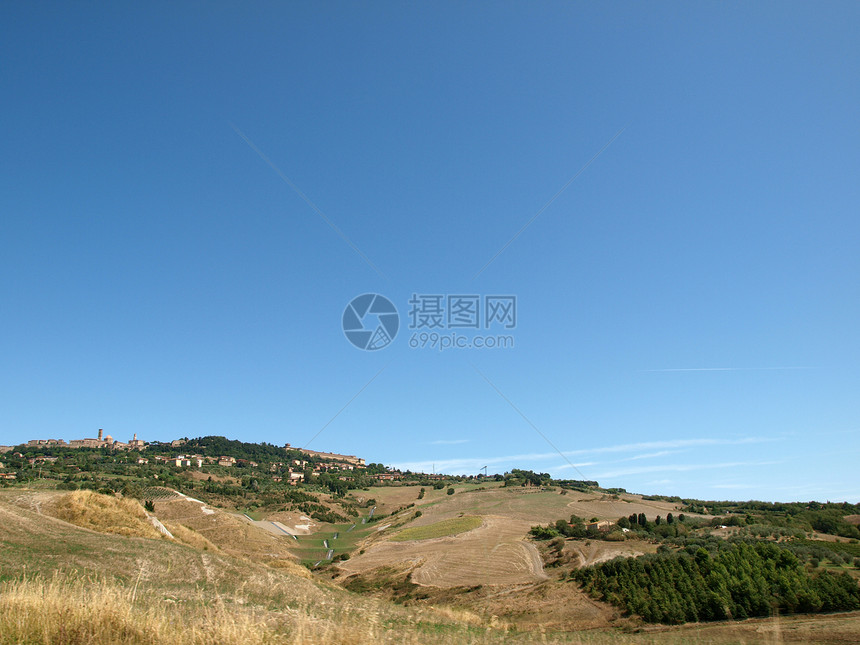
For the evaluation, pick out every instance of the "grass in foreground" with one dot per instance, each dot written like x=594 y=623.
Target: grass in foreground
x=445 y=528
x=60 y=611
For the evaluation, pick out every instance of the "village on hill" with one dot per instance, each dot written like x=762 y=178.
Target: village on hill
x=288 y=464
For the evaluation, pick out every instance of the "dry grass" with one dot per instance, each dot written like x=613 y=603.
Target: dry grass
x=104 y=513
x=230 y=533
x=122 y=590
x=61 y=612
x=190 y=537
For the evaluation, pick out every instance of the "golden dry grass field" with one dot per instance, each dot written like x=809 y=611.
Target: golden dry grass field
x=492 y=554
x=66 y=584
x=498 y=552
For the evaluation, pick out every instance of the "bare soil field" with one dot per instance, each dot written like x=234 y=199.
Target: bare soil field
x=497 y=553
x=493 y=554
x=544 y=506
x=588 y=505
x=391 y=498
x=588 y=552
x=550 y=605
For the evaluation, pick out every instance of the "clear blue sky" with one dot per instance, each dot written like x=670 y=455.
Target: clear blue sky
x=159 y=276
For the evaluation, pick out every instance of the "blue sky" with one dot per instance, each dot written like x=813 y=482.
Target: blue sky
x=687 y=307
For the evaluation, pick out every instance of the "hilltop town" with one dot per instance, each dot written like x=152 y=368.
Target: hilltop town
x=279 y=464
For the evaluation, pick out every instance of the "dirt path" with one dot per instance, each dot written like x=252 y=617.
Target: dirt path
x=537 y=562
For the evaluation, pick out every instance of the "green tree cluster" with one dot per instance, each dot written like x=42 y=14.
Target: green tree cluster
x=741 y=580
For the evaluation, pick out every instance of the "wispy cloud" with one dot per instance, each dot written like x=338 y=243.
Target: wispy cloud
x=728 y=369
x=585 y=463
x=652 y=455
x=466 y=464
x=448 y=442
x=471 y=464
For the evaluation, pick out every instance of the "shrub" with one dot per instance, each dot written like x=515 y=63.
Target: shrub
x=543 y=532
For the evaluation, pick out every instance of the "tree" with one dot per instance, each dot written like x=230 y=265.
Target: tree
x=543 y=532
x=670 y=519
x=576 y=528
x=642 y=520
x=450 y=491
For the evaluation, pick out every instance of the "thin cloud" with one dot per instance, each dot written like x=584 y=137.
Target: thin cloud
x=651 y=455
x=468 y=464
x=728 y=369
x=585 y=463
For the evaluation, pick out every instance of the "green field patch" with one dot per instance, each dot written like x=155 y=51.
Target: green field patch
x=445 y=528
x=310 y=548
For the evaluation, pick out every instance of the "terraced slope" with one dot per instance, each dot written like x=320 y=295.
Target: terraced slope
x=493 y=554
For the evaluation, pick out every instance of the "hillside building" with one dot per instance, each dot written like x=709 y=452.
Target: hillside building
x=330 y=456
x=602 y=525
